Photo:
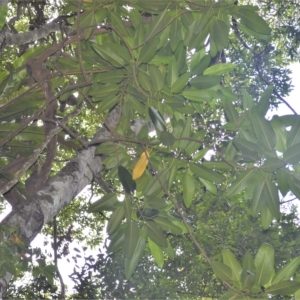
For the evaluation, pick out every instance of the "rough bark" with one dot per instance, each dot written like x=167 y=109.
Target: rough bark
x=58 y=192
x=16 y=39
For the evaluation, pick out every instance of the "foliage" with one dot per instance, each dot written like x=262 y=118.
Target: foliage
x=195 y=172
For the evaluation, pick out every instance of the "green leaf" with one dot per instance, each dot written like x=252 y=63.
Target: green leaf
x=242 y=181
x=263 y=131
x=220 y=34
x=258 y=200
x=263 y=104
x=219 y=69
x=164 y=221
x=266 y=217
x=272 y=164
x=116 y=55
x=281 y=133
x=154 y=186
x=248 y=101
x=247 y=147
x=286 y=287
x=132 y=234
x=205 y=81
x=156 y=252
x=188 y=186
x=270 y=192
x=115 y=220
x=236 y=269
x=292 y=155
x=247 y=279
x=156 y=78
x=264 y=264
x=105 y=203
x=283 y=179
x=203 y=64
x=198 y=95
x=114 y=76
x=222 y=271
x=287 y=271
x=172 y=71
x=180 y=83
x=107 y=104
x=3 y=13
x=206 y=173
x=294 y=134
x=166 y=138
x=132 y=262
x=125 y=177
x=145 y=81
x=148 y=51
x=118 y=24
x=205 y=17
x=117 y=239
x=157 y=23
x=175 y=34
x=210 y=186
x=157 y=119
x=230 y=111
x=156 y=234
x=251 y=19
x=248 y=262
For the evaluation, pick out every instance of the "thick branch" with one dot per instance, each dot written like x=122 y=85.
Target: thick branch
x=57 y=193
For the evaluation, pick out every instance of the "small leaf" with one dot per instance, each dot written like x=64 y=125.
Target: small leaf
x=286 y=287
x=157 y=119
x=156 y=252
x=156 y=234
x=264 y=264
x=222 y=271
x=126 y=180
x=140 y=166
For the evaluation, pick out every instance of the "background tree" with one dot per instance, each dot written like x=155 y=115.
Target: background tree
x=159 y=107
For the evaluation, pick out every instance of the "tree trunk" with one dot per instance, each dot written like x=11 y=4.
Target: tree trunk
x=57 y=193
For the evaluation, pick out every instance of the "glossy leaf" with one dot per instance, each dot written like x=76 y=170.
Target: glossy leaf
x=126 y=180
x=264 y=264
x=198 y=95
x=205 y=81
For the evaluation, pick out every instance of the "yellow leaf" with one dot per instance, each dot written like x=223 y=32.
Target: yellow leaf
x=16 y=239
x=87 y=0
x=140 y=166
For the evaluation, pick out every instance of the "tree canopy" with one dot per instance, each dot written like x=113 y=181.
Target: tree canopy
x=167 y=114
